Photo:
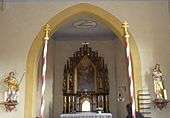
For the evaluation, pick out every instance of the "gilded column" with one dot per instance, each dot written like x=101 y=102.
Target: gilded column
x=64 y=105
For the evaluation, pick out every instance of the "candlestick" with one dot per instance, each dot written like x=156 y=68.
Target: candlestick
x=46 y=38
x=128 y=54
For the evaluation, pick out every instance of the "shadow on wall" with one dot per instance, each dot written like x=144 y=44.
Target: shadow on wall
x=148 y=80
x=50 y=110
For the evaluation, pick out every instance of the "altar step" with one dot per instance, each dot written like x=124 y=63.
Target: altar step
x=144 y=103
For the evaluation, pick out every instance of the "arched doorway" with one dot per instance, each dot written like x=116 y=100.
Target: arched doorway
x=34 y=54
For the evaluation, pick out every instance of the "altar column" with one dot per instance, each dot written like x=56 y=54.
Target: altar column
x=107 y=104
x=97 y=101
x=65 y=104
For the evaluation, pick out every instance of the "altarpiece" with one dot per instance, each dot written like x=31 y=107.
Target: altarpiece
x=85 y=82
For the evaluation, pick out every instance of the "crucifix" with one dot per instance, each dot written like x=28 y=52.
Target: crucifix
x=47 y=31
x=125 y=27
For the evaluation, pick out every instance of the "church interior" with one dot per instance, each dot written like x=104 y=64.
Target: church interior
x=84 y=58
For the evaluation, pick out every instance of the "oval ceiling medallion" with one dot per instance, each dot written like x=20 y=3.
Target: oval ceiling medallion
x=84 y=24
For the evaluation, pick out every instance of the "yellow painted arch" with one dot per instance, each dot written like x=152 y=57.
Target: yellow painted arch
x=34 y=54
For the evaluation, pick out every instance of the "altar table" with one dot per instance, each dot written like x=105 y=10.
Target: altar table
x=87 y=115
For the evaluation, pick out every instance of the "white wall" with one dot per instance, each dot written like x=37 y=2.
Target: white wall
x=149 y=24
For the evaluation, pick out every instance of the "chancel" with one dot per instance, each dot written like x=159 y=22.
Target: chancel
x=81 y=66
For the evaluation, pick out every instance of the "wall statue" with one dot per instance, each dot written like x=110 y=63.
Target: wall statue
x=159 y=87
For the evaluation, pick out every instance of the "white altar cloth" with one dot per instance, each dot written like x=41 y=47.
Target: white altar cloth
x=87 y=115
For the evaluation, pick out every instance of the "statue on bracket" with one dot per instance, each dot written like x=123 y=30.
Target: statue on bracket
x=13 y=87
x=161 y=99
x=11 y=94
x=159 y=87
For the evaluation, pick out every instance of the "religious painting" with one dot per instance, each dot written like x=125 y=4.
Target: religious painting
x=86 y=75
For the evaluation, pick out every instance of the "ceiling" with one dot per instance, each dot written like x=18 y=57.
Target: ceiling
x=84 y=26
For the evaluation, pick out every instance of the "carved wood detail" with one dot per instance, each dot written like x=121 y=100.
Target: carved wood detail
x=98 y=89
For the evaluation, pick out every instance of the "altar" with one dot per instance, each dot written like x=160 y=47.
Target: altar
x=86 y=85
x=87 y=115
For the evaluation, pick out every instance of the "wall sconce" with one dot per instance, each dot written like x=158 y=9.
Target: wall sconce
x=121 y=91
x=120 y=98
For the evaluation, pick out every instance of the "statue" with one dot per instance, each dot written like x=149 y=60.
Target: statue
x=64 y=85
x=71 y=83
x=11 y=94
x=11 y=82
x=13 y=87
x=159 y=87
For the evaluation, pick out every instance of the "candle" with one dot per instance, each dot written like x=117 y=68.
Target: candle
x=46 y=38
x=128 y=54
x=5 y=96
x=165 y=95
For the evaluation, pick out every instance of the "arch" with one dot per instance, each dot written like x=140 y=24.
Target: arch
x=35 y=51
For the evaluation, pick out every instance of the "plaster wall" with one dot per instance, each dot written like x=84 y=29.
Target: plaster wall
x=149 y=25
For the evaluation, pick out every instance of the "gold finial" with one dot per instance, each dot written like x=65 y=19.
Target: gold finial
x=47 y=30
x=125 y=27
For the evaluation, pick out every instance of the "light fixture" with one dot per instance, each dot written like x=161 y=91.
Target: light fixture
x=120 y=98
x=120 y=95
